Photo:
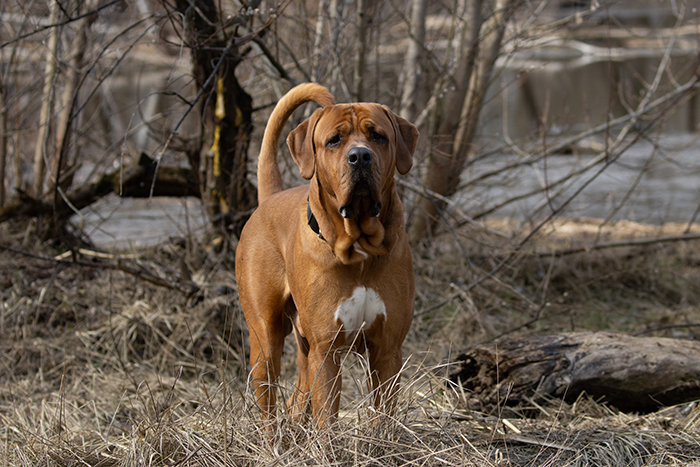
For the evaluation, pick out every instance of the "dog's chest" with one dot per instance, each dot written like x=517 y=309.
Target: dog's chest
x=359 y=311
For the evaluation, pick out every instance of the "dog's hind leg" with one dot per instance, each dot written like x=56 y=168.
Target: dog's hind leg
x=263 y=309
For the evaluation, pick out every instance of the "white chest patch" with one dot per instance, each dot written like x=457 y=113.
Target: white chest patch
x=359 y=311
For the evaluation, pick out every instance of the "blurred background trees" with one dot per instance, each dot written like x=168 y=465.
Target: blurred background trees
x=528 y=111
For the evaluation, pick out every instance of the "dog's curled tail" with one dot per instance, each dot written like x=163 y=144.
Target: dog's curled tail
x=269 y=176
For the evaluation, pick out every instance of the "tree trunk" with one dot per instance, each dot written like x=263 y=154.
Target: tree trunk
x=411 y=71
x=359 y=73
x=60 y=161
x=47 y=98
x=318 y=37
x=334 y=26
x=226 y=119
x=3 y=143
x=459 y=123
x=633 y=374
x=440 y=160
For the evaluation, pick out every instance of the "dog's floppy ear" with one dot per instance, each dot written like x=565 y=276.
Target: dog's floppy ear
x=301 y=144
x=406 y=140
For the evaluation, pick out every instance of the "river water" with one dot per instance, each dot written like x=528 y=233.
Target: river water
x=650 y=183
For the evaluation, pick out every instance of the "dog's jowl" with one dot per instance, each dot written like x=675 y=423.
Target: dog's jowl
x=329 y=260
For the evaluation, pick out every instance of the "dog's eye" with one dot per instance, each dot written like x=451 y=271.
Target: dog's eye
x=334 y=142
x=377 y=137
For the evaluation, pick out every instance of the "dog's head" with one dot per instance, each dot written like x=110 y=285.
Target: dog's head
x=353 y=150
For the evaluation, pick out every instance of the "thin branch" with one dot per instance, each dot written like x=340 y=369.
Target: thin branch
x=60 y=23
x=619 y=244
x=273 y=61
x=666 y=327
x=671 y=96
x=127 y=266
x=568 y=142
x=423 y=191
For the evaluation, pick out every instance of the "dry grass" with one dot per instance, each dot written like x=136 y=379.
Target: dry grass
x=98 y=368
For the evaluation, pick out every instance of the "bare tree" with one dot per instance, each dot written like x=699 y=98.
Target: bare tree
x=68 y=100
x=221 y=153
x=412 y=66
x=3 y=142
x=360 y=56
x=40 y=152
x=464 y=103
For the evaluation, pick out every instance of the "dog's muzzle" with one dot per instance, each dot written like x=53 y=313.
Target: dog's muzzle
x=362 y=198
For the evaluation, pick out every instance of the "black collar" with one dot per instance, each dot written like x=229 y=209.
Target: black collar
x=313 y=223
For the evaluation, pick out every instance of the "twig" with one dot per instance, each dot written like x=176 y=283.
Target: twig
x=60 y=23
x=624 y=243
x=666 y=327
x=273 y=61
x=671 y=96
x=437 y=305
x=186 y=288
x=421 y=190
x=529 y=440
x=527 y=323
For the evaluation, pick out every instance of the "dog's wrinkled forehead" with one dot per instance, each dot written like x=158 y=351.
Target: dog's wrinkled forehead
x=347 y=119
x=341 y=127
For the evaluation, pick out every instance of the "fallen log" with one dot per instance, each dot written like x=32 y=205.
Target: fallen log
x=141 y=180
x=634 y=374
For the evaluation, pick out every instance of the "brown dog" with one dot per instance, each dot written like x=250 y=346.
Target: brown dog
x=330 y=259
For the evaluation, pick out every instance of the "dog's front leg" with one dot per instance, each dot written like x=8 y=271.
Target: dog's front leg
x=325 y=384
x=385 y=366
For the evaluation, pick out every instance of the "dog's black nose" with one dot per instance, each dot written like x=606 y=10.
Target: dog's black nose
x=359 y=157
